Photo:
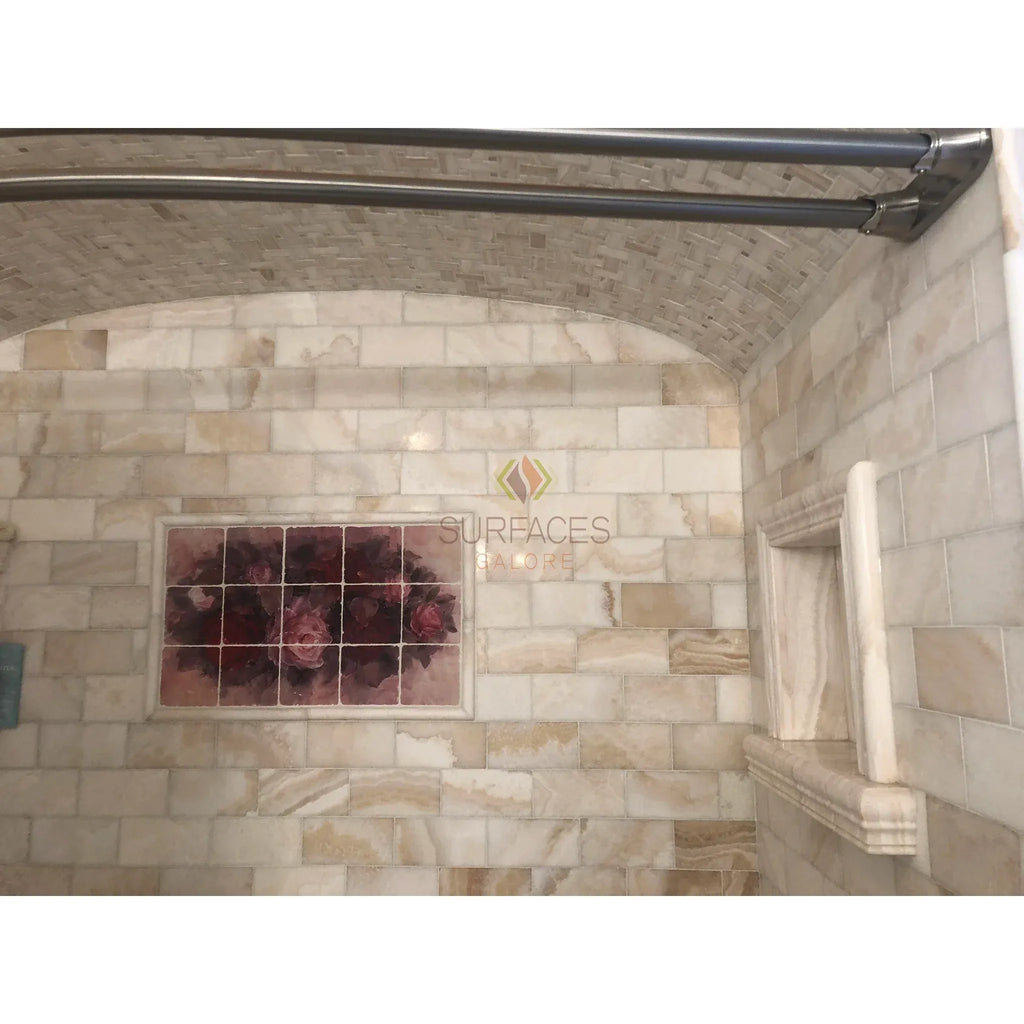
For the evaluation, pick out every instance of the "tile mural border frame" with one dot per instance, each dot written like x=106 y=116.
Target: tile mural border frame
x=467 y=663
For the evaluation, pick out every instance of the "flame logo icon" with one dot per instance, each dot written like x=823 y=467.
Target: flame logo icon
x=523 y=479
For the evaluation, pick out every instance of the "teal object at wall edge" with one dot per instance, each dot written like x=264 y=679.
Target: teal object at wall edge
x=12 y=658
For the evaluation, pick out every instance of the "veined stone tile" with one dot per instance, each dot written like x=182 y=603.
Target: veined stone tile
x=619 y=472
x=863 y=378
x=440 y=309
x=486 y=429
x=537 y=842
x=729 y=605
x=733 y=699
x=666 y=605
x=948 y=494
x=184 y=390
x=101 y=391
x=91 y=652
x=504 y=605
x=18 y=747
x=55 y=433
x=269 y=388
x=71 y=745
x=702 y=470
x=303 y=792
x=986 y=577
x=680 y=794
x=394 y=791
x=816 y=415
x=523 y=387
x=793 y=375
x=971 y=855
x=142 y=433
x=533 y=745
x=723 y=426
x=312 y=430
x=574 y=428
x=358 y=387
x=46 y=699
x=989 y=282
x=447 y=387
x=486 y=791
x=215 y=311
x=715 y=746
x=171 y=744
x=149 y=348
x=669 y=698
x=572 y=604
x=357 y=473
x=209 y=793
x=502 y=698
x=663 y=515
x=930 y=752
x=621 y=558
x=621 y=843
x=73 y=840
x=459 y=842
x=901 y=429
x=12 y=352
x=65 y=350
x=348 y=841
x=681 y=426
x=579 y=882
x=960 y=671
x=401 y=345
x=709 y=651
x=401 y=429
x=716 y=845
x=647 y=882
x=621 y=745
x=359 y=307
x=184 y=841
x=305 y=881
x=485 y=882
x=441 y=745
x=573 y=793
x=184 y=474
x=1013 y=650
x=36 y=391
x=514 y=311
x=1005 y=476
x=444 y=473
x=763 y=402
x=487 y=345
x=316 y=346
x=364 y=881
x=623 y=650
x=915 y=584
x=34 y=793
x=276 y=308
x=119 y=608
x=574 y=343
x=249 y=842
x=112 y=699
x=748 y=883
x=577 y=698
x=107 y=881
x=994 y=759
x=46 y=607
x=621 y=385
x=533 y=650
x=352 y=744
x=228 y=432
x=107 y=476
x=262 y=744
x=697 y=384
x=271 y=474
x=34 y=880
x=208 y=881
x=27 y=563
x=113 y=793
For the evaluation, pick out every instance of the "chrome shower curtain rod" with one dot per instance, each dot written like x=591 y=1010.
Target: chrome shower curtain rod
x=946 y=164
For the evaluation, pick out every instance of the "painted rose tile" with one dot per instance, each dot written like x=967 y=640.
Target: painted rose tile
x=261 y=616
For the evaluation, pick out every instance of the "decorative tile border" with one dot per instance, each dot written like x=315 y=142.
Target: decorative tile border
x=311 y=616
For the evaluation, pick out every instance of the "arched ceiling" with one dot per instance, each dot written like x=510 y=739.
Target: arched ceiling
x=726 y=290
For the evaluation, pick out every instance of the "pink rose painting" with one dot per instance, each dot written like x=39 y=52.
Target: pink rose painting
x=274 y=615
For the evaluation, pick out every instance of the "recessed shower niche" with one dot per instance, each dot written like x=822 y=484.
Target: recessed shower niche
x=831 y=747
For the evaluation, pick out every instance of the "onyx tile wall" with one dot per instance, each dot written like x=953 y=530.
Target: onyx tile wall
x=903 y=357
x=612 y=695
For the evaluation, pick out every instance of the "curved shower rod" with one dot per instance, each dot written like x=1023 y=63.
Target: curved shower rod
x=950 y=163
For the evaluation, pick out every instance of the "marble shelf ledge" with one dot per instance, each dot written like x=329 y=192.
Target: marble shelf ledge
x=821 y=778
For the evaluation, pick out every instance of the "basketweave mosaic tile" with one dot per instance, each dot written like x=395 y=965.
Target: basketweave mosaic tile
x=311 y=619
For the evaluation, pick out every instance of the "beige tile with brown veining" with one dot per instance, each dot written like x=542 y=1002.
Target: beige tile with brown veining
x=697 y=384
x=224 y=346
x=65 y=350
x=313 y=430
x=960 y=671
x=645 y=882
x=394 y=791
x=359 y=307
x=669 y=698
x=107 y=881
x=970 y=855
x=347 y=841
x=249 y=842
x=709 y=651
x=574 y=793
x=486 y=429
x=526 y=386
x=303 y=792
x=211 y=792
x=986 y=577
x=663 y=515
x=208 y=881
x=621 y=745
x=577 y=697
x=613 y=842
x=351 y=388
x=171 y=744
x=574 y=428
x=328 y=880
x=316 y=346
x=73 y=840
x=441 y=745
x=539 y=842
x=716 y=845
x=486 y=791
x=579 y=882
x=262 y=744
x=459 y=842
x=367 y=881
x=532 y=745
x=713 y=745
x=679 y=794
x=152 y=841
x=485 y=882
x=533 y=650
x=666 y=605
x=623 y=650
x=575 y=343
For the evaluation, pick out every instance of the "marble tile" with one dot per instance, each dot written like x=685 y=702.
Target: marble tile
x=713 y=560
x=398 y=791
x=18 y=746
x=208 y=793
x=575 y=343
x=574 y=428
x=449 y=387
x=305 y=881
x=646 y=882
x=669 y=698
x=986 y=577
x=534 y=650
x=994 y=760
x=729 y=606
x=990 y=303
x=249 y=842
x=46 y=607
x=75 y=433
x=623 y=650
x=348 y=841
x=401 y=346
x=863 y=378
x=948 y=494
x=577 y=698
x=440 y=745
x=570 y=604
x=579 y=882
x=663 y=515
x=713 y=746
x=901 y=429
x=142 y=433
x=171 y=744
x=303 y=792
x=504 y=605
x=733 y=699
x=621 y=385
x=107 y=881
x=621 y=843
x=960 y=671
x=351 y=744
x=702 y=470
x=358 y=473
x=1013 y=651
x=276 y=308
x=485 y=882
x=316 y=346
x=466 y=791
x=625 y=746
x=533 y=745
x=681 y=794
x=697 y=384
x=65 y=350
x=683 y=426
x=1005 y=476
x=151 y=348
x=359 y=307
x=271 y=474
x=723 y=426
x=184 y=474
x=457 y=842
x=970 y=855
x=42 y=391
x=112 y=699
x=539 y=842
x=486 y=429
x=313 y=430
x=444 y=473
x=108 y=792
x=154 y=841
x=488 y=345
x=620 y=558
x=502 y=698
x=716 y=845
x=262 y=744
x=352 y=388
x=916 y=591
x=202 y=881
x=70 y=745
x=430 y=309
x=574 y=793
x=228 y=432
x=709 y=651
x=526 y=386
x=763 y=402
x=90 y=652
x=619 y=472
x=216 y=311
x=73 y=840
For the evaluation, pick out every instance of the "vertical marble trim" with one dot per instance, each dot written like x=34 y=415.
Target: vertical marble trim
x=840 y=512
x=1009 y=156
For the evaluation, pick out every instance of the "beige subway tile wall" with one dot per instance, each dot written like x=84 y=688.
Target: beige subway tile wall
x=902 y=357
x=612 y=688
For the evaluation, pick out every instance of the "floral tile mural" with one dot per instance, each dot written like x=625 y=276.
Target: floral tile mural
x=285 y=616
